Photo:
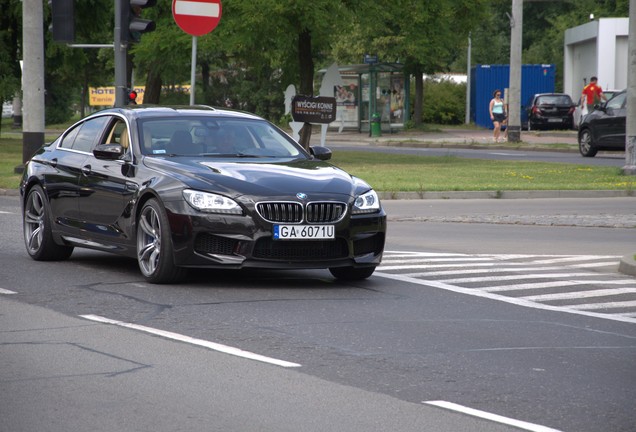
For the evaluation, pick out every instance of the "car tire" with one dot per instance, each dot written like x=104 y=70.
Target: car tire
x=38 y=237
x=352 y=273
x=586 y=145
x=154 y=246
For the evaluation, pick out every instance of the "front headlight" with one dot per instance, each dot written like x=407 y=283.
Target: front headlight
x=211 y=203
x=366 y=203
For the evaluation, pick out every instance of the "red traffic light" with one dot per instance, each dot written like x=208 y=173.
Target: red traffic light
x=132 y=97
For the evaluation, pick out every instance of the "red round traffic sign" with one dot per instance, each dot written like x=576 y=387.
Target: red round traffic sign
x=196 y=17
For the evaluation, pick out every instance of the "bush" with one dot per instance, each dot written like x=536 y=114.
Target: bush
x=444 y=102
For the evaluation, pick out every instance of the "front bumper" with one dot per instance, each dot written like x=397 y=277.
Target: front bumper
x=232 y=241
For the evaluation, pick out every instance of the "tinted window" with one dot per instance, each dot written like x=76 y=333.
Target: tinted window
x=617 y=102
x=88 y=133
x=213 y=136
x=69 y=138
x=554 y=100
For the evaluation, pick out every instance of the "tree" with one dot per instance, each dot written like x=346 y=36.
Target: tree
x=10 y=35
x=421 y=34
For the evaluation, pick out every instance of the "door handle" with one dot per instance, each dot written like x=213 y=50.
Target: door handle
x=53 y=162
x=86 y=169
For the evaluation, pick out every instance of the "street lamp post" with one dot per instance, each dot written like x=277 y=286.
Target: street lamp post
x=630 y=136
x=514 y=89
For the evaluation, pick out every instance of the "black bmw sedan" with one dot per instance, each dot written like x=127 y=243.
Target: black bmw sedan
x=605 y=127
x=184 y=187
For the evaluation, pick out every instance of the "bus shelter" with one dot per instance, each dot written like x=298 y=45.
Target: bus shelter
x=371 y=92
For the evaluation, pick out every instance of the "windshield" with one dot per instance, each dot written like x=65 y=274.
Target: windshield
x=554 y=100
x=214 y=137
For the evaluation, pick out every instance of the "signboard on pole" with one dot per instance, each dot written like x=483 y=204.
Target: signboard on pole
x=313 y=109
x=197 y=17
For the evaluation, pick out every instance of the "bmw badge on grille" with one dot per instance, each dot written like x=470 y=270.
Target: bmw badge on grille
x=301 y=196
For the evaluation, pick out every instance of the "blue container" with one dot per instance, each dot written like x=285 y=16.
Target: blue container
x=485 y=79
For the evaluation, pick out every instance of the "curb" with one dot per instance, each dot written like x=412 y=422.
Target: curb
x=628 y=265
x=506 y=194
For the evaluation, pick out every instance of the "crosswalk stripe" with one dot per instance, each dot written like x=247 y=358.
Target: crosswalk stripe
x=608 y=305
x=494 y=296
x=502 y=270
x=516 y=277
x=486 y=264
x=580 y=294
x=517 y=287
x=553 y=274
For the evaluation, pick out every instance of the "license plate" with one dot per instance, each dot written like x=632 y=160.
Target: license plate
x=554 y=120
x=304 y=232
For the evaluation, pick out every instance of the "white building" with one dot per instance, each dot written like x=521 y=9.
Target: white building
x=598 y=48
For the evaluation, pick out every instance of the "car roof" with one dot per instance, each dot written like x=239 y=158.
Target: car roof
x=148 y=111
x=551 y=94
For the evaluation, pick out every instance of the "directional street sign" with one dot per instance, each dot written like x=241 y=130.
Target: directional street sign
x=196 y=17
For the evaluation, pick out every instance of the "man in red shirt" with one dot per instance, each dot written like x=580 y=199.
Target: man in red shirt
x=592 y=94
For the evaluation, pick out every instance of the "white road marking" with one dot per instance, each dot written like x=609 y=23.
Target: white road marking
x=609 y=305
x=200 y=342
x=506 y=269
x=555 y=284
x=492 y=417
x=6 y=291
x=196 y=8
x=514 y=277
x=494 y=296
x=581 y=294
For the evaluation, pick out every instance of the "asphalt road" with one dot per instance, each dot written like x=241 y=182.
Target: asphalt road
x=356 y=356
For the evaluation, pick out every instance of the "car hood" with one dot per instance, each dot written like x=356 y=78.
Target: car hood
x=267 y=177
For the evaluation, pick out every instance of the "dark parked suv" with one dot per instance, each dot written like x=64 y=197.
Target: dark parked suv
x=549 y=111
x=604 y=128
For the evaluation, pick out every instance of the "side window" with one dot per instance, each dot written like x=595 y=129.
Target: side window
x=118 y=134
x=89 y=132
x=617 y=102
x=69 y=139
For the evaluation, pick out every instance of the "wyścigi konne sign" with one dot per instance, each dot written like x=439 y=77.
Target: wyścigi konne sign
x=309 y=109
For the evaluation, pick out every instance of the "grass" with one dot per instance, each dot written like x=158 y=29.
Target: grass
x=408 y=173
x=10 y=157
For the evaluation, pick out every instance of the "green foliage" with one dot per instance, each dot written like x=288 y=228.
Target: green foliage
x=255 y=52
x=444 y=102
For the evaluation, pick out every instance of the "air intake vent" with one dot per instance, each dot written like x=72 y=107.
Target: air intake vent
x=293 y=212
x=281 y=212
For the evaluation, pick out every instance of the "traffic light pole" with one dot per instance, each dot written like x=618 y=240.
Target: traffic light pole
x=121 y=50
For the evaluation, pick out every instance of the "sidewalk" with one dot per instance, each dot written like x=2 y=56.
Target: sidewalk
x=456 y=137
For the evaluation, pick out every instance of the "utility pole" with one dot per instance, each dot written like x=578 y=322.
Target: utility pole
x=468 y=83
x=514 y=89
x=630 y=136
x=32 y=78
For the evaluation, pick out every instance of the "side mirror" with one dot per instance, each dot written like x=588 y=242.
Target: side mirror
x=321 y=153
x=109 y=151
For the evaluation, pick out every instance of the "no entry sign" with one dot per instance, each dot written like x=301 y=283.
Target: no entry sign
x=196 y=17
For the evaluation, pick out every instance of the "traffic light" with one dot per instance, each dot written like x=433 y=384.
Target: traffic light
x=132 y=26
x=63 y=20
x=132 y=97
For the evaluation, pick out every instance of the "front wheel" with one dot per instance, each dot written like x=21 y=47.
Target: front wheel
x=38 y=237
x=352 y=273
x=586 y=146
x=154 y=246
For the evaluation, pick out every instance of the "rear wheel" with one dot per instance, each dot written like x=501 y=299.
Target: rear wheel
x=586 y=146
x=38 y=237
x=352 y=273
x=154 y=246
